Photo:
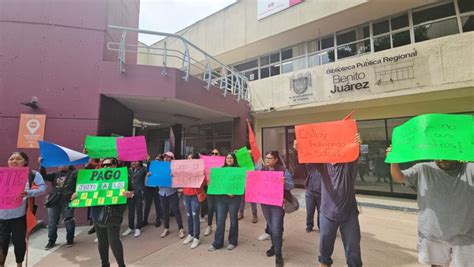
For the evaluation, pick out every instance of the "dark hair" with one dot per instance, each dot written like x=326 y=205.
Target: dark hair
x=140 y=163
x=23 y=155
x=279 y=165
x=193 y=155
x=114 y=161
x=236 y=164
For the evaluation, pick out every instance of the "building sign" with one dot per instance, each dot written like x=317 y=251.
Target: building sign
x=266 y=8
x=31 y=130
x=370 y=75
x=301 y=89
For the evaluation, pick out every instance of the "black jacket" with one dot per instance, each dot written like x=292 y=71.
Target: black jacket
x=55 y=178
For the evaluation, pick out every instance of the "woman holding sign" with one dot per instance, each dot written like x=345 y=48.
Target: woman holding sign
x=107 y=220
x=13 y=220
x=227 y=204
x=274 y=215
x=192 y=198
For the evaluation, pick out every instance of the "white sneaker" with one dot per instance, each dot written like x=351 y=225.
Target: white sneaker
x=127 y=232
x=195 y=243
x=202 y=219
x=188 y=239
x=181 y=234
x=96 y=240
x=264 y=237
x=138 y=233
x=208 y=231
x=165 y=233
x=230 y=247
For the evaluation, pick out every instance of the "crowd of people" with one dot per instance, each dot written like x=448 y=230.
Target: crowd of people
x=445 y=196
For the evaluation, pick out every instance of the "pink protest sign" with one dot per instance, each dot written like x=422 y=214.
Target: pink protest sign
x=187 y=173
x=132 y=148
x=211 y=162
x=12 y=184
x=265 y=187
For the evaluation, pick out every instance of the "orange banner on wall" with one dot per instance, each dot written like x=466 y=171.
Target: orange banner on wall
x=327 y=142
x=31 y=130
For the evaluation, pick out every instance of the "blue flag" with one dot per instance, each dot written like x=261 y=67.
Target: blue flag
x=160 y=174
x=55 y=155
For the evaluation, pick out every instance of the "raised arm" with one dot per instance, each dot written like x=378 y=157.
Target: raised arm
x=395 y=171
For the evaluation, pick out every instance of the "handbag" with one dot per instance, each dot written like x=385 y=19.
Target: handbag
x=291 y=203
x=201 y=196
x=110 y=216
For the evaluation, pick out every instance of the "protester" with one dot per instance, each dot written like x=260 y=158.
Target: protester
x=137 y=174
x=274 y=215
x=109 y=235
x=151 y=194
x=211 y=203
x=192 y=205
x=338 y=210
x=227 y=204
x=13 y=221
x=63 y=183
x=445 y=195
x=252 y=205
x=170 y=200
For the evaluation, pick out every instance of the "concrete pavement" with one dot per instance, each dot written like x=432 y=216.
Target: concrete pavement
x=388 y=239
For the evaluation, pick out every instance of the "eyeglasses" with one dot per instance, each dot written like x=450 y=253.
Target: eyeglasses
x=215 y=154
x=107 y=165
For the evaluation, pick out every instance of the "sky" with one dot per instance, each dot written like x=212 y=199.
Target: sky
x=173 y=15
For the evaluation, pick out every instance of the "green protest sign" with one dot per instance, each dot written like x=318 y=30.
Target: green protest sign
x=431 y=137
x=227 y=181
x=100 y=187
x=101 y=146
x=244 y=159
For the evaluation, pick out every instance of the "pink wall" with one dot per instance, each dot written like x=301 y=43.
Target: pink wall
x=53 y=50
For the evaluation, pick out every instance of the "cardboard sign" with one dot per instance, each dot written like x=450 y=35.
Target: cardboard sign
x=160 y=174
x=244 y=159
x=101 y=146
x=31 y=130
x=55 y=155
x=100 y=187
x=187 y=173
x=431 y=137
x=132 y=148
x=327 y=142
x=12 y=184
x=227 y=181
x=211 y=162
x=265 y=187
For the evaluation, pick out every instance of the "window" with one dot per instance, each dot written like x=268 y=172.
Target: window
x=465 y=5
x=436 y=29
x=381 y=27
x=391 y=32
x=354 y=41
x=433 y=13
x=399 y=22
x=247 y=65
x=327 y=42
x=467 y=23
x=382 y=43
x=401 y=39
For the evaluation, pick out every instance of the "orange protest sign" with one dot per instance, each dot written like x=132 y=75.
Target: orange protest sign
x=327 y=142
x=31 y=130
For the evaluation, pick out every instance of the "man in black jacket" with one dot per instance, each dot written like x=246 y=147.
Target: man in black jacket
x=63 y=183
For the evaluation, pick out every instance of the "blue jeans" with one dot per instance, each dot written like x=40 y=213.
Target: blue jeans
x=313 y=202
x=54 y=214
x=171 y=202
x=242 y=207
x=350 y=234
x=192 y=212
x=274 y=216
x=135 y=205
x=226 y=204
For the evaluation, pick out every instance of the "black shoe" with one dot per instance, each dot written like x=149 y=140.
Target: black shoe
x=91 y=231
x=158 y=223
x=144 y=223
x=49 y=246
x=309 y=230
x=270 y=252
x=278 y=261
x=69 y=243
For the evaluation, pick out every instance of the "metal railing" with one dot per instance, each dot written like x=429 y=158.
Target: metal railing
x=183 y=55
